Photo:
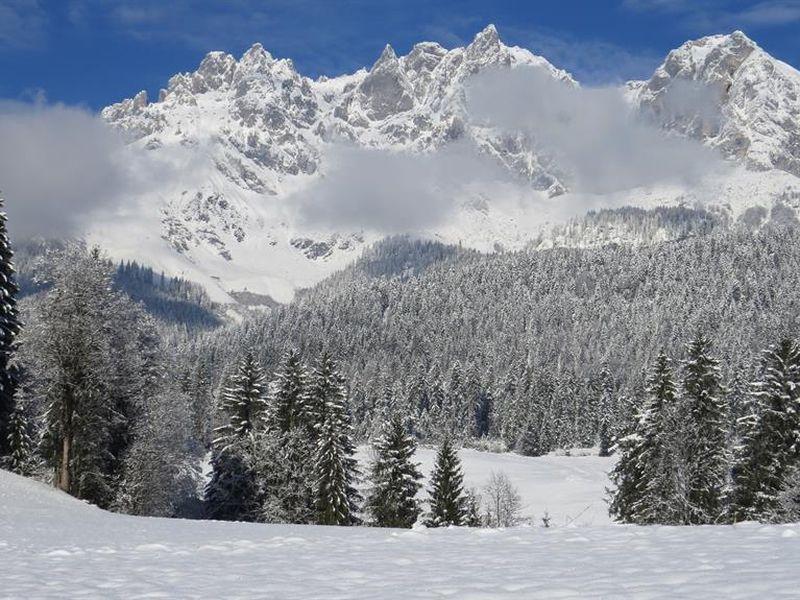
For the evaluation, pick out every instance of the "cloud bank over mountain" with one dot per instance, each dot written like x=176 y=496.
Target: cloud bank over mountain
x=58 y=165
x=602 y=145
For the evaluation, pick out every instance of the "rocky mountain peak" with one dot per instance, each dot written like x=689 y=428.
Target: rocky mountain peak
x=726 y=91
x=256 y=58
x=387 y=59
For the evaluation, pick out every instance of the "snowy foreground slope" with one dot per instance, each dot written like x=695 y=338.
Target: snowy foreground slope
x=54 y=546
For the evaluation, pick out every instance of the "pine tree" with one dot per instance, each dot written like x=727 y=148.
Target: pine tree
x=9 y=329
x=333 y=488
x=661 y=497
x=335 y=468
x=626 y=476
x=531 y=442
x=243 y=400
x=395 y=478
x=705 y=447
x=232 y=493
x=288 y=399
x=771 y=444
x=20 y=444
x=605 y=416
x=446 y=490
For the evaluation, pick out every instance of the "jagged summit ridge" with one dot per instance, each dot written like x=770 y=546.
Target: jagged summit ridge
x=257 y=131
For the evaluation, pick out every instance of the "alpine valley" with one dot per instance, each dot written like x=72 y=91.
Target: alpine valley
x=254 y=158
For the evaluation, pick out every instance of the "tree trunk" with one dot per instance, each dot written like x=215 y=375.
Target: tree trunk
x=62 y=480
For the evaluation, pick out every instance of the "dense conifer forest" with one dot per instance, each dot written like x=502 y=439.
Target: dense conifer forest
x=676 y=354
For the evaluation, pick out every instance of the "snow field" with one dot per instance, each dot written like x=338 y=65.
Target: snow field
x=53 y=546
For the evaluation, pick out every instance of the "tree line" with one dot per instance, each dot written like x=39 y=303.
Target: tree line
x=284 y=453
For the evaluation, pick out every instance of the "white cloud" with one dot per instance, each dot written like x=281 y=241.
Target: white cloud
x=591 y=133
x=392 y=191
x=58 y=165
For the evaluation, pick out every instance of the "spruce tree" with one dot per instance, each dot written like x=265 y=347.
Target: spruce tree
x=335 y=468
x=232 y=493
x=9 y=329
x=661 y=496
x=395 y=478
x=530 y=442
x=333 y=480
x=243 y=400
x=771 y=446
x=446 y=491
x=626 y=476
x=706 y=448
x=20 y=444
x=288 y=395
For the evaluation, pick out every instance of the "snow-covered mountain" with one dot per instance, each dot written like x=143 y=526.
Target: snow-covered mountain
x=729 y=93
x=242 y=143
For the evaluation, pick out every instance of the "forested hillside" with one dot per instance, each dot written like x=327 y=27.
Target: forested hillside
x=480 y=344
x=174 y=301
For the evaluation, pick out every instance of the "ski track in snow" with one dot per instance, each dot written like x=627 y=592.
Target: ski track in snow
x=53 y=546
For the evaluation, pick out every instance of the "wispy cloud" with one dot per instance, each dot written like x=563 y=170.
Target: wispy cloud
x=23 y=23
x=722 y=15
x=591 y=61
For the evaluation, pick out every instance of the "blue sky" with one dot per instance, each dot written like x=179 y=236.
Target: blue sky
x=94 y=52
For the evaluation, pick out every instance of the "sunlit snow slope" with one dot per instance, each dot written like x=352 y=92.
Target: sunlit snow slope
x=52 y=546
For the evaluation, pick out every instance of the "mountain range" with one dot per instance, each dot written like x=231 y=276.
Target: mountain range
x=264 y=180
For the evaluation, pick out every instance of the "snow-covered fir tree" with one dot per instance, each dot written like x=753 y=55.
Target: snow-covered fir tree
x=243 y=400
x=333 y=486
x=20 y=443
x=706 y=436
x=661 y=497
x=626 y=477
x=288 y=398
x=335 y=468
x=9 y=329
x=447 y=500
x=395 y=478
x=472 y=509
x=770 y=451
x=233 y=492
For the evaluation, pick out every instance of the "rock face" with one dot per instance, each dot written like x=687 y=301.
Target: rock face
x=729 y=93
x=242 y=136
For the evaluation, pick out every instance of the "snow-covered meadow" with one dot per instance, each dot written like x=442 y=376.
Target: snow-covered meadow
x=53 y=546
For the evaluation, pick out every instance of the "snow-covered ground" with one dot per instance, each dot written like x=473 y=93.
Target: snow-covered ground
x=54 y=546
x=571 y=489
